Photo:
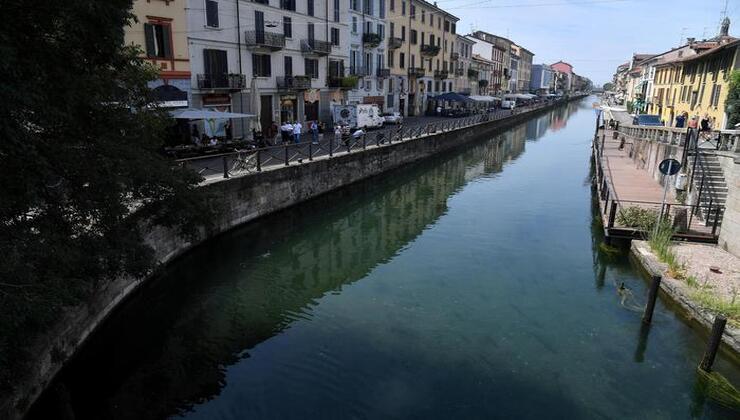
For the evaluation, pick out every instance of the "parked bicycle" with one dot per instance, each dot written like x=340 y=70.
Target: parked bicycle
x=244 y=162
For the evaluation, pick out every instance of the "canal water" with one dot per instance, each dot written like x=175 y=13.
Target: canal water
x=470 y=285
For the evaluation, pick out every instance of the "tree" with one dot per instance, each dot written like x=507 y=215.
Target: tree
x=732 y=103
x=608 y=86
x=79 y=135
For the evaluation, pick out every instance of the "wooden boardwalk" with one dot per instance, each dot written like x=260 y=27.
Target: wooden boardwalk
x=621 y=184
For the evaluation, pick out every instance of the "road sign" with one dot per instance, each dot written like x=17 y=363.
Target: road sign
x=669 y=167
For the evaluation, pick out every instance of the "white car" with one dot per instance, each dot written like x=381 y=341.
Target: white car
x=393 y=118
x=508 y=104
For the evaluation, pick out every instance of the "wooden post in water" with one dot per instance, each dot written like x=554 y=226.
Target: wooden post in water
x=612 y=214
x=713 y=345
x=647 y=316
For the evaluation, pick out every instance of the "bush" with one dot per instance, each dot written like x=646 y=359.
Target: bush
x=637 y=217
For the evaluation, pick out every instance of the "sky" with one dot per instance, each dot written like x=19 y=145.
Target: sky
x=595 y=36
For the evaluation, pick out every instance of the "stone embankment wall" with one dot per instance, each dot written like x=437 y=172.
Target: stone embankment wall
x=243 y=199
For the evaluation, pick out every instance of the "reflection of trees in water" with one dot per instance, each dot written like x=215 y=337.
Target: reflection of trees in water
x=167 y=348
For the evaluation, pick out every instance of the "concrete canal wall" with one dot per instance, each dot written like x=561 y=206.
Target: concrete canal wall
x=243 y=199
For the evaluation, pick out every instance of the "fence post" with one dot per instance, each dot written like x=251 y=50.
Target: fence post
x=226 y=170
x=310 y=151
x=647 y=316
x=716 y=220
x=713 y=344
x=612 y=214
x=259 y=160
x=364 y=143
x=286 y=155
x=331 y=146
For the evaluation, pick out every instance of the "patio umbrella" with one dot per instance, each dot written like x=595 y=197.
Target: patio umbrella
x=205 y=114
x=257 y=123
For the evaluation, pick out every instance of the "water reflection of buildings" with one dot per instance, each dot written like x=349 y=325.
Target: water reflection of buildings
x=167 y=349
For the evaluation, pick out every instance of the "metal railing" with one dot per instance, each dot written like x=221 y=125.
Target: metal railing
x=221 y=81
x=428 y=50
x=394 y=43
x=264 y=39
x=257 y=159
x=294 y=82
x=314 y=46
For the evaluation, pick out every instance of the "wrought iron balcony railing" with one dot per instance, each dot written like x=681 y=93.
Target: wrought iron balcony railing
x=294 y=83
x=460 y=71
x=371 y=39
x=359 y=71
x=394 y=43
x=383 y=72
x=221 y=81
x=429 y=50
x=454 y=56
x=417 y=72
x=343 y=82
x=314 y=46
x=264 y=39
x=441 y=74
x=472 y=74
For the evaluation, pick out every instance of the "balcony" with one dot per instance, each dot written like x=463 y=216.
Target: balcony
x=371 y=40
x=343 y=82
x=417 y=72
x=221 y=81
x=359 y=71
x=314 y=46
x=454 y=56
x=472 y=74
x=272 y=41
x=459 y=72
x=441 y=74
x=383 y=73
x=394 y=43
x=294 y=83
x=482 y=83
x=429 y=50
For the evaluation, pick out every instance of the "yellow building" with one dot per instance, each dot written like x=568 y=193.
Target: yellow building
x=161 y=32
x=697 y=85
x=420 y=52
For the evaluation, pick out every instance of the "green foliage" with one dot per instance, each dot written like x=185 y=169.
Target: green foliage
x=350 y=81
x=630 y=107
x=732 y=103
x=659 y=240
x=637 y=217
x=80 y=135
x=608 y=86
x=709 y=300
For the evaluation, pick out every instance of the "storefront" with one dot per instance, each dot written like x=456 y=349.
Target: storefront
x=311 y=105
x=288 y=108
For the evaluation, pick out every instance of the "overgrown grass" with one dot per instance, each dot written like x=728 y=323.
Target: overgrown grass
x=659 y=240
x=707 y=299
x=637 y=217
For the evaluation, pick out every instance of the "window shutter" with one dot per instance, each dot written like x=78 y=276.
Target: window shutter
x=166 y=41
x=149 y=38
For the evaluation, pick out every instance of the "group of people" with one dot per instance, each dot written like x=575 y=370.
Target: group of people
x=291 y=132
x=703 y=124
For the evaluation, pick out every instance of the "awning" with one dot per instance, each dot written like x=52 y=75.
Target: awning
x=206 y=114
x=451 y=97
x=482 y=98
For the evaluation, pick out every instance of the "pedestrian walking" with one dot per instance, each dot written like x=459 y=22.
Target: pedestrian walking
x=680 y=121
x=297 y=127
x=694 y=122
x=287 y=131
x=274 y=132
x=337 y=133
x=314 y=132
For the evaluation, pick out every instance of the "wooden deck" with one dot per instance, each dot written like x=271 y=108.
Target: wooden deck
x=627 y=185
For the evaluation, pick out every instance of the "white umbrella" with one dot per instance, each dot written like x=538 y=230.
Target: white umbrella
x=205 y=114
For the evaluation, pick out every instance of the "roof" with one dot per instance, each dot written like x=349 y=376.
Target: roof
x=732 y=44
x=435 y=7
x=465 y=38
x=479 y=58
x=640 y=57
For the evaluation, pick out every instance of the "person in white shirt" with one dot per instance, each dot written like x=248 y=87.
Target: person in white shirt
x=287 y=131
x=297 y=127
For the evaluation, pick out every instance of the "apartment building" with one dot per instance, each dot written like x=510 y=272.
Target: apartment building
x=161 y=34
x=542 y=81
x=280 y=59
x=461 y=58
x=367 y=52
x=501 y=51
x=421 y=39
x=480 y=74
x=525 y=70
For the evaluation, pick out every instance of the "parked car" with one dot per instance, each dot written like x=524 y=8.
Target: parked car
x=392 y=117
x=647 y=119
x=358 y=116
x=508 y=104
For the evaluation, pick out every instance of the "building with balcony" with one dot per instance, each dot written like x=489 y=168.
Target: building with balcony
x=524 y=77
x=421 y=40
x=282 y=60
x=480 y=75
x=460 y=58
x=367 y=52
x=498 y=50
x=161 y=34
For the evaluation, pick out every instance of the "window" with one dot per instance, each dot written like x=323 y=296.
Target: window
x=429 y=86
x=412 y=36
x=423 y=16
x=309 y=7
x=379 y=61
x=715 y=96
x=214 y=62
x=381 y=31
x=447 y=26
x=267 y=2
x=403 y=8
x=261 y=65
x=158 y=40
x=390 y=59
x=369 y=85
x=393 y=4
x=212 y=13
x=382 y=9
x=311 y=31
x=336 y=10
x=393 y=29
x=368 y=63
x=431 y=39
x=368 y=7
x=403 y=33
x=368 y=27
x=413 y=11
x=354 y=24
x=354 y=5
x=453 y=30
x=353 y=61
x=312 y=67
x=431 y=19
x=287 y=27
x=335 y=36
x=422 y=38
x=288 y=62
x=287 y=5
x=412 y=63
x=401 y=60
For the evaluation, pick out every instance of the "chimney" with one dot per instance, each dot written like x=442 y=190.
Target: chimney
x=690 y=40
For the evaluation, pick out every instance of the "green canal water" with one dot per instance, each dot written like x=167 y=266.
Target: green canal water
x=470 y=285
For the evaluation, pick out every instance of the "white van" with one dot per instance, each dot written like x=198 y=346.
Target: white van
x=358 y=116
x=508 y=104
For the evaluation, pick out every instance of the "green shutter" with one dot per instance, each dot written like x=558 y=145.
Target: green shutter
x=149 y=39
x=166 y=49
